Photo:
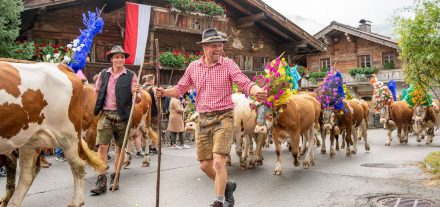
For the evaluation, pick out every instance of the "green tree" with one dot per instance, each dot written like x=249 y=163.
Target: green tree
x=420 y=44
x=9 y=29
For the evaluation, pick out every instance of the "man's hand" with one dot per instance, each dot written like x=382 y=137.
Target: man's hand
x=159 y=92
x=136 y=89
x=259 y=93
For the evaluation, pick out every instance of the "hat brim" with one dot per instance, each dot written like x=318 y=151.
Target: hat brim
x=223 y=40
x=109 y=55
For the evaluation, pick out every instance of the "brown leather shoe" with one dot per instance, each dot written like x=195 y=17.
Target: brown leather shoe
x=100 y=185
x=116 y=183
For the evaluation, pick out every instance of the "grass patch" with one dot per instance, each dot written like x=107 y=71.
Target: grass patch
x=432 y=165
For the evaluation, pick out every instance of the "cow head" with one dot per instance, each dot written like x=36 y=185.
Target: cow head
x=419 y=116
x=328 y=119
x=384 y=114
x=264 y=119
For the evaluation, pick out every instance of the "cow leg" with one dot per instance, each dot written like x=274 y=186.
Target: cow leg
x=10 y=163
x=399 y=135
x=295 y=138
x=28 y=170
x=257 y=158
x=430 y=135
x=332 y=143
x=128 y=150
x=388 y=143
x=146 y=160
x=239 y=148
x=309 y=159
x=323 y=135
x=337 y=143
x=78 y=169
x=278 y=151
x=251 y=145
x=354 y=139
x=364 y=134
x=348 y=140
x=303 y=144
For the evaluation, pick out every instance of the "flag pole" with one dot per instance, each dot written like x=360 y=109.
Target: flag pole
x=127 y=130
x=159 y=125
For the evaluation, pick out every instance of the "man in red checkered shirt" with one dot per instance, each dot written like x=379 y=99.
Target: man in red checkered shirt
x=212 y=77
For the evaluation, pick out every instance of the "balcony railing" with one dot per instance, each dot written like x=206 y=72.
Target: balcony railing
x=169 y=19
x=382 y=75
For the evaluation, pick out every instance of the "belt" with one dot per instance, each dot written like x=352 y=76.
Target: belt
x=214 y=113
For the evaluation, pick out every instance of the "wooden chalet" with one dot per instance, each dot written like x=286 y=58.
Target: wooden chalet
x=257 y=33
x=348 y=47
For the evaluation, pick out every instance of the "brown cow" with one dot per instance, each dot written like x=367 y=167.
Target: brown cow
x=299 y=116
x=397 y=115
x=335 y=122
x=424 y=121
x=89 y=120
x=360 y=120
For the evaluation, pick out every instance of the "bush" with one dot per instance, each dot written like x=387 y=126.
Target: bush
x=172 y=59
x=362 y=71
x=9 y=26
x=205 y=7
x=317 y=75
x=388 y=65
x=23 y=51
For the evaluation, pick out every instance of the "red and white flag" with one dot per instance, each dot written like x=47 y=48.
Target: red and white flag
x=136 y=34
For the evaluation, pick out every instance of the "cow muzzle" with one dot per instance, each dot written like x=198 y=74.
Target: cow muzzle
x=190 y=126
x=382 y=120
x=260 y=129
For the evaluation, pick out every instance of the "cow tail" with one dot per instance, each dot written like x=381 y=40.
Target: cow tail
x=91 y=157
x=152 y=135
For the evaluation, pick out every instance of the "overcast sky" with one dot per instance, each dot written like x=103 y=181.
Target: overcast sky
x=314 y=15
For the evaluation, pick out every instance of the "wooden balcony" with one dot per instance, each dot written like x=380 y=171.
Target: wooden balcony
x=174 y=20
x=382 y=75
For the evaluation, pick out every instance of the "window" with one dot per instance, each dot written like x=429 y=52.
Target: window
x=364 y=61
x=325 y=64
x=388 y=60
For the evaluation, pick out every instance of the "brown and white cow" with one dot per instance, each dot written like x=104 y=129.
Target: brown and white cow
x=436 y=108
x=141 y=126
x=335 y=122
x=41 y=107
x=425 y=119
x=298 y=117
x=396 y=115
x=244 y=131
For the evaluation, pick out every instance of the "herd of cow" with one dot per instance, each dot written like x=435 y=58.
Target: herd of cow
x=45 y=105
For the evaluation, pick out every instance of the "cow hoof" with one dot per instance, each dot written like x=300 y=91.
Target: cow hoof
x=387 y=144
x=423 y=137
x=337 y=148
x=367 y=147
x=76 y=205
x=306 y=164
x=259 y=162
x=296 y=163
x=323 y=152
x=146 y=164
x=243 y=165
x=353 y=152
x=277 y=172
x=332 y=155
x=419 y=140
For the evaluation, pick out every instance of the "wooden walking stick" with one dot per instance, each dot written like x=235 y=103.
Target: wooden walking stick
x=127 y=130
x=159 y=125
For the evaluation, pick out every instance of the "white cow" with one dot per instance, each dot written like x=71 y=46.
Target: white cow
x=40 y=107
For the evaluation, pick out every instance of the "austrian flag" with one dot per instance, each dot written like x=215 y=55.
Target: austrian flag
x=136 y=34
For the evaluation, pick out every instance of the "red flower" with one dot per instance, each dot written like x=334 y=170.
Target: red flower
x=43 y=45
x=36 y=45
x=55 y=51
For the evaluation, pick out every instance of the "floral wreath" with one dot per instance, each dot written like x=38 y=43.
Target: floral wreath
x=277 y=82
x=382 y=95
x=330 y=91
x=415 y=95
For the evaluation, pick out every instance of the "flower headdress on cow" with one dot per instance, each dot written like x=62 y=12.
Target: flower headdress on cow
x=382 y=95
x=190 y=103
x=277 y=82
x=331 y=91
x=347 y=93
x=415 y=95
x=83 y=43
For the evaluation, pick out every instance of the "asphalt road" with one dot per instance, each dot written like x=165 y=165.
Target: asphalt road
x=341 y=181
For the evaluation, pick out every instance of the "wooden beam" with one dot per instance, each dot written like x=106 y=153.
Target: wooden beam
x=252 y=18
x=238 y=7
x=249 y=24
x=276 y=30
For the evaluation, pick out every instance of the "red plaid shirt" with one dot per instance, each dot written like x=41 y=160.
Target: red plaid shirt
x=213 y=85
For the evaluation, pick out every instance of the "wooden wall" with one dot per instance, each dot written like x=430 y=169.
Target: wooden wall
x=344 y=54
